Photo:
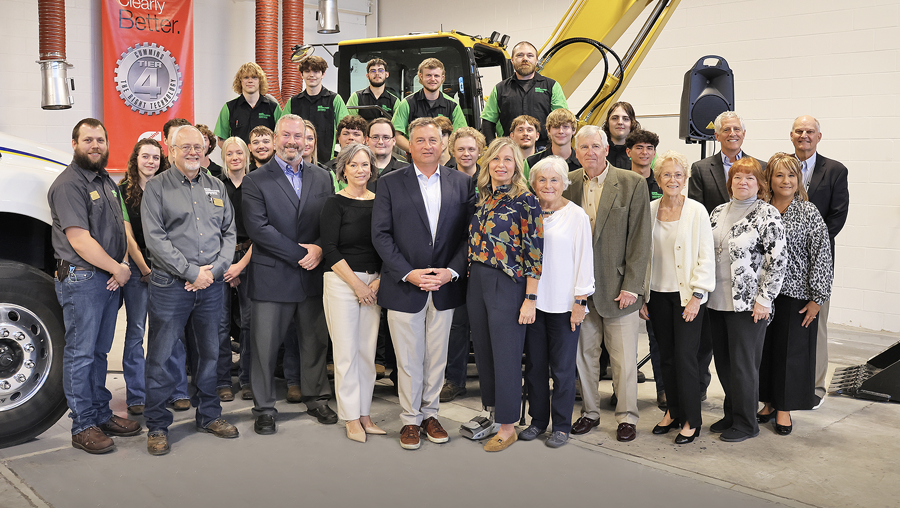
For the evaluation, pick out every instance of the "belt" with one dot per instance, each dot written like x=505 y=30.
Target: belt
x=243 y=245
x=63 y=267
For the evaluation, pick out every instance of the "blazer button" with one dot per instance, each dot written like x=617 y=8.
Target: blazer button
x=679 y=266
x=678 y=247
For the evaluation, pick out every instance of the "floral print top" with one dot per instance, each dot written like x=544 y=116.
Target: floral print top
x=507 y=233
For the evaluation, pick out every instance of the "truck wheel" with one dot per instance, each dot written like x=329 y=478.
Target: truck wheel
x=32 y=336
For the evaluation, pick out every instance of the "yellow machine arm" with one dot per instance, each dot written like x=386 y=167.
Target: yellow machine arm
x=603 y=21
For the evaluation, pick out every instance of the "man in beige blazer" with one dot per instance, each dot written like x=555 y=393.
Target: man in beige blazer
x=618 y=204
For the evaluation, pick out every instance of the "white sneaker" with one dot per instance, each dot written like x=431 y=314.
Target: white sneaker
x=821 y=401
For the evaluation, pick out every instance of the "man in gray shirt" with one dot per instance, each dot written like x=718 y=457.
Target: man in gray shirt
x=191 y=239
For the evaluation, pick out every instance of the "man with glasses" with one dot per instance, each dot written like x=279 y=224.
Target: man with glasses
x=380 y=138
x=190 y=237
x=376 y=94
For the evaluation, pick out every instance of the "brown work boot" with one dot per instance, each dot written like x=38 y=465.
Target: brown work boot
x=246 y=393
x=93 y=440
x=220 y=428
x=137 y=409
x=157 y=443
x=294 y=395
x=118 y=426
x=225 y=394
x=409 y=437
x=181 y=404
x=434 y=432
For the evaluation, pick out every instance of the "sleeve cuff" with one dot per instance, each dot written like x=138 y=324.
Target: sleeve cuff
x=454 y=277
x=765 y=302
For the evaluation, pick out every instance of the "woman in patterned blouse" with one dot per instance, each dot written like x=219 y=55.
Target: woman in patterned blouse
x=748 y=243
x=787 y=375
x=505 y=243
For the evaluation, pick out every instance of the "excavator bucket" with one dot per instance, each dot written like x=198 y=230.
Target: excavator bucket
x=878 y=379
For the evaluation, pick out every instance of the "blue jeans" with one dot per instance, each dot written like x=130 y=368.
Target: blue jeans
x=89 y=314
x=171 y=308
x=135 y=294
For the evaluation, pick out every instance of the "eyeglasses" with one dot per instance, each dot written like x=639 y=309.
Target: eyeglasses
x=377 y=71
x=381 y=138
x=670 y=176
x=190 y=148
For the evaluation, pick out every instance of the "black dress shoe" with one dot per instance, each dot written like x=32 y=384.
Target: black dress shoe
x=626 y=432
x=784 y=430
x=721 y=426
x=584 y=425
x=764 y=418
x=662 y=429
x=614 y=401
x=324 y=414
x=682 y=439
x=264 y=425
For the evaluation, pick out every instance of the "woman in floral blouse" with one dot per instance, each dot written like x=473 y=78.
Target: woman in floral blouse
x=787 y=375
x=748 y=244
x=505 y=245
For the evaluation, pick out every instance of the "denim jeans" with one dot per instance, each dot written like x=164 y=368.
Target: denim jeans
x=89 y=314
x=223 y=368
x=171 y=308
x=135 y=294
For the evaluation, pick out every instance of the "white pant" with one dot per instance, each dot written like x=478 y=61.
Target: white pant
x=354 y=334
x=420 y=343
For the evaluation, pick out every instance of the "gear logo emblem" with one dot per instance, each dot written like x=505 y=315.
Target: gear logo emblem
x=148 y=79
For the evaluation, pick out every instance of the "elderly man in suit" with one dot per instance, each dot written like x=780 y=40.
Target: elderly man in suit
x=282 y=201
x=618 y=205
x=419 y=228
x=826 y=183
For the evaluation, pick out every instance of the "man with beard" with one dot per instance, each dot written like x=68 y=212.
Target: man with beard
x=375 y=94
x=525 y=93
x=89 y=244
x=428 y=102
x=261 y=146
x=190 y=233
x=282 y=204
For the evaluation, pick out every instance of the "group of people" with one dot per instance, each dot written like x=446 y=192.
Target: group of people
x=545 y=249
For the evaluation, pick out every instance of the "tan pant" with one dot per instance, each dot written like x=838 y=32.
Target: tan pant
x=822 y=351
x=420 y=343
x=621 y=338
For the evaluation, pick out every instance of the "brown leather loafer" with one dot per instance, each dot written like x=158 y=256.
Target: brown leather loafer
x=434 y=432
x=93 y=440
x=409 y=437
x=225 y=394
x=157 y=443
x=379 y=371
x=220 y=428
x=181 y=404
x=118 y=426
x=584 y=425
x=626 y=432
x=496 y=444
x=294 y=395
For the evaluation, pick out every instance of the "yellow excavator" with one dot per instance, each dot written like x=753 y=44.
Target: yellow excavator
x=580 y=42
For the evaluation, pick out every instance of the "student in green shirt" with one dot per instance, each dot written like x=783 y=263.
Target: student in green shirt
x=324 y=108
x=427 y=102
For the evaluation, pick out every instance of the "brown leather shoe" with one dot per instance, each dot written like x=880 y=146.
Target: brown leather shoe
x=294 y=395
x=225 y=394
x=93 y=440
x=584 y=425
x=181 y=404
x=137 y=409
x=434 y=432
x=409 y=437
x=157 y=443
x=495 y=444
x=118 y=426
x=246 y=393
x=379 y=371
x=220 y=428
x=626 y=432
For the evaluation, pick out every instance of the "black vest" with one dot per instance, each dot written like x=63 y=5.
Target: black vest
x=513 y=101
x=419 y=107
x=242 y=118
x=318 y=109
x=365 y=97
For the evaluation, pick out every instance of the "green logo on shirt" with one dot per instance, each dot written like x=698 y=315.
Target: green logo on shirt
x=265 y=116
x=540 y=90
x=322 y=109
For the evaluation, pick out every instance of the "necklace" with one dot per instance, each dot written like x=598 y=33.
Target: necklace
x=363 y=196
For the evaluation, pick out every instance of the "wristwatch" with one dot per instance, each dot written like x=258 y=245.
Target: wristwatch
x=583 y=303
x=698 y=296
x=531 y=296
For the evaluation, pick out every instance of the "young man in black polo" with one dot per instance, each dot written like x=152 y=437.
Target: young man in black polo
x=561 y=126
x=430 y=102
x=376 y=94
x=251 y=108
x=324 y=108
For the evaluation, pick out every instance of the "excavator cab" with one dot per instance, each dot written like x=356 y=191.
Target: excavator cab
x=463 y=56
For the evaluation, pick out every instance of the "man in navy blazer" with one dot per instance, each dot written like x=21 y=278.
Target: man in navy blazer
x=420 y=220
x=282 y=201
x=826 y=183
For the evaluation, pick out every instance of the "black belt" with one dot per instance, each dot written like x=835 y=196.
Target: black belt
x=242 y=245
x=63 y=267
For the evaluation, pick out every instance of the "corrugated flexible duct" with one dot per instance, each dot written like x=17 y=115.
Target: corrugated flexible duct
x=267 y=43
x=52 y=54
x=291 y=35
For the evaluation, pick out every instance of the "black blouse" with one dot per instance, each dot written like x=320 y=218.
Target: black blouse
x=346 y=228
x=235 y=196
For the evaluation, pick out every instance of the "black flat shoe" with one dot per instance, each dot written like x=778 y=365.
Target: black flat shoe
x=682 y=439
x=662 y=429
x=761 y=418
x=784 y=430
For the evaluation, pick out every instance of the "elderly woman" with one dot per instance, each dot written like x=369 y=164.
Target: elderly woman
x=505 y=243
x=788 y=370
x=567 y=279
x=681 y=274
x=748 y=238
x=236 y=157
x=351 y=289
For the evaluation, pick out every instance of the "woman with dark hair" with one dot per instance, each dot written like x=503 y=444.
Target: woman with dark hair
x=350 y=291
x=506 y=240
x=209 y=144
x=620 y=122
x=748 y=240
x=787 y=374
x=145 y=162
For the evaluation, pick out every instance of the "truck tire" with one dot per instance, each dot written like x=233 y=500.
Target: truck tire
x=32 y=337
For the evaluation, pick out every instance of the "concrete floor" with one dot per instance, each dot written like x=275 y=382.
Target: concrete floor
x=844 y=454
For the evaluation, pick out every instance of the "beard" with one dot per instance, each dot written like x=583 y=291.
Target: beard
x=525 y=68
x=83 y=161
x=291 y=158
x=260 y=162
x=377 y=84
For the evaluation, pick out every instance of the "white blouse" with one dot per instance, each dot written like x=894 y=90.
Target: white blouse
x=664 y=278
x=568 y=260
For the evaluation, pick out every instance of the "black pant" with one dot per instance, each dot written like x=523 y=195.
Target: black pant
x=679 y=349
x=787 y=374
x=493 y=301
x=737 y=346
x=550 y=348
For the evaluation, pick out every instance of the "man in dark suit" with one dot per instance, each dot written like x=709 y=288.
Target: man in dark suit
x=419 y=228
x=282 y=203
x=826 y=183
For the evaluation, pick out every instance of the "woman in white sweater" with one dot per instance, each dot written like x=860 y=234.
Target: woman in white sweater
x=681 y=275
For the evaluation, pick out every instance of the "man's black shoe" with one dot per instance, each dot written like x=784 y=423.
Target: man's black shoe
x=324 y=414
x=265 y=425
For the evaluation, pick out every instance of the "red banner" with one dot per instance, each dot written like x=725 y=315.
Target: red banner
x=148 y=70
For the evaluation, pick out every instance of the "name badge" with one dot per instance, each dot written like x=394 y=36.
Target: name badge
x=95 y=195
x=218 y=202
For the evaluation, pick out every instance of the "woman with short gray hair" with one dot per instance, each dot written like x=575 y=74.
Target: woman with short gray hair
x=551 y=342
